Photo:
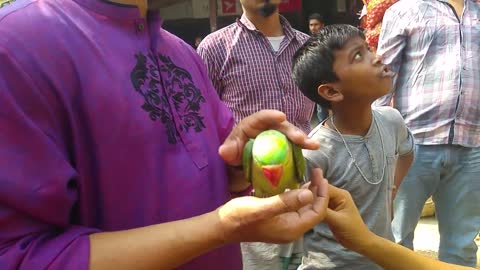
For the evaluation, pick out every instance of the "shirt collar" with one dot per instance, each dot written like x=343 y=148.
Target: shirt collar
x=287 y=28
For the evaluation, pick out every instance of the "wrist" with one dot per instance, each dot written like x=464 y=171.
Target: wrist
x=369 y=245
x=219 y=230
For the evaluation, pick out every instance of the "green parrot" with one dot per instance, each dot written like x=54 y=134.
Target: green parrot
x=272 y=163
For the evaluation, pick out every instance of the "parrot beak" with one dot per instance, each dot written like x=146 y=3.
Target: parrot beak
x=273 y=173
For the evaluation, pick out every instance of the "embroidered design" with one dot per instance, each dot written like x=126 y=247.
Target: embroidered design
x=179 y=93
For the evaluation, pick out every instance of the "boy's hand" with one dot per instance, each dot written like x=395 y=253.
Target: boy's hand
x=345 y=221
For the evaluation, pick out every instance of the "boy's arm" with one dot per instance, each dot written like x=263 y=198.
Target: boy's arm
x=346 y=224
x=403 y=165
x=404 y=148
x=392 y=256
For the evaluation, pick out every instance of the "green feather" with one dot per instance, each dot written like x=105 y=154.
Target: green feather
x=247 y=160
x=299 y=161
x=271 y=147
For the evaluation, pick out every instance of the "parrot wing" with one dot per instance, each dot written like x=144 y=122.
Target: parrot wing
x=299 y=162
x=247 y=160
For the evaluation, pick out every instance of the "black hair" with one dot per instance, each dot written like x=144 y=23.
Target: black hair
x=316 y=16
x=312 y=64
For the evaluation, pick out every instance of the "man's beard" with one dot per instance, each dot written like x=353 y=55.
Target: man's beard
x=267 y=9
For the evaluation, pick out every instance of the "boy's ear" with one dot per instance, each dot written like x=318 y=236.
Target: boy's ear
x=329 y=93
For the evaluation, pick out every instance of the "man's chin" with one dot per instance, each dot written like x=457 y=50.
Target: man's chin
x=267 y=9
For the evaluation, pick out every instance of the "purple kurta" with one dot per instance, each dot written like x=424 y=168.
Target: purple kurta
x=107 y=122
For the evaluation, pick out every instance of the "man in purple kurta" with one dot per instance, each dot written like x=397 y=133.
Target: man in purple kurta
x=108 y=123
x=97 y=107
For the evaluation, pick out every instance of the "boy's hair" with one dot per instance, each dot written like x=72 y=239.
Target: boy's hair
x=316 y=16
x=312 y=64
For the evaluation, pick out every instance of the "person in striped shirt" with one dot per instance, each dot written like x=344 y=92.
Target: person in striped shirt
x=434 y=46
x=249 y=64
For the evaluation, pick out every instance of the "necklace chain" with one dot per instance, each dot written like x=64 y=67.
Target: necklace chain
x=355 y=161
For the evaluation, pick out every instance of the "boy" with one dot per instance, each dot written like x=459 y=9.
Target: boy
x=363 y=150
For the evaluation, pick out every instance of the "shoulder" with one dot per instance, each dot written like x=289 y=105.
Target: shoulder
x=183 y=53
x=25 y=23
x=327 y=140
x=301 y=37
x=219 y=38
x=404 y=8
x=389 y=116
x=176 y=42
x=39 y=14
x=17 y=7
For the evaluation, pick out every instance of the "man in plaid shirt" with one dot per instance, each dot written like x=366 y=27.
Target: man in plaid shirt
x=434 y=47
x=249 y=63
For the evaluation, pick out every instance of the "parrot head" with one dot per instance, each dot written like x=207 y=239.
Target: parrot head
x=270 y=151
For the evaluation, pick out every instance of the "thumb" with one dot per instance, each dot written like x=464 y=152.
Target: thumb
x=290 y=201
x=332 y=217
x=231 y=150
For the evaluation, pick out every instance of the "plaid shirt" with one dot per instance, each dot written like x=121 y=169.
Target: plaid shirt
x=437 y=58
x=250 y=76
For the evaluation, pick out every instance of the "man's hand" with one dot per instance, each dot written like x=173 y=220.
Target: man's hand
x=345 y=221
x=232 y=149
x=279 y=219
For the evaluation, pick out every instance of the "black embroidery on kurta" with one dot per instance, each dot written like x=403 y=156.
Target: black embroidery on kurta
x=166 y=87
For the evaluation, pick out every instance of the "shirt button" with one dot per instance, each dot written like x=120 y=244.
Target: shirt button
x=140 y=27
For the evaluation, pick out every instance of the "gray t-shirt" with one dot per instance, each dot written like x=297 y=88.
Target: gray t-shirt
x=373 y=200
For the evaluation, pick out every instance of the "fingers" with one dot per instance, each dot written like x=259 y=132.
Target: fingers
x=315 y=213
x=266 y=119
x=290 y=201
x=250 y=127
x=341 y=205
x=319 y=187
x=339 y=198
x=332 y=216
x=231 y=150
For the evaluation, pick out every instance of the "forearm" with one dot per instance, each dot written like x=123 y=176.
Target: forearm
x=163 y=246
x=392 y=256
x=403 y=165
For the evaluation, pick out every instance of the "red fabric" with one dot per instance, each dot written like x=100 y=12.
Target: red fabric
x=375 y=11
x=229 y=6
x=372 y=21
x=290 y=5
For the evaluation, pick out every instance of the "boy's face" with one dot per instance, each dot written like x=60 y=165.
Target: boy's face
x=361 y=73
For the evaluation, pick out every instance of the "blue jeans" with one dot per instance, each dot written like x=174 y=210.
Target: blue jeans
x=452 y=175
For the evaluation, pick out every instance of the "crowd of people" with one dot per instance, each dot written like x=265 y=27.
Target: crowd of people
x=121 y=145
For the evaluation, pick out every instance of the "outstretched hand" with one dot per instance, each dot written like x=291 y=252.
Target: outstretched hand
x=278 y=219
x=345 y=221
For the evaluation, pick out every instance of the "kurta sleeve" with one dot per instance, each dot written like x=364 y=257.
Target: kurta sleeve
x=38 y=184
